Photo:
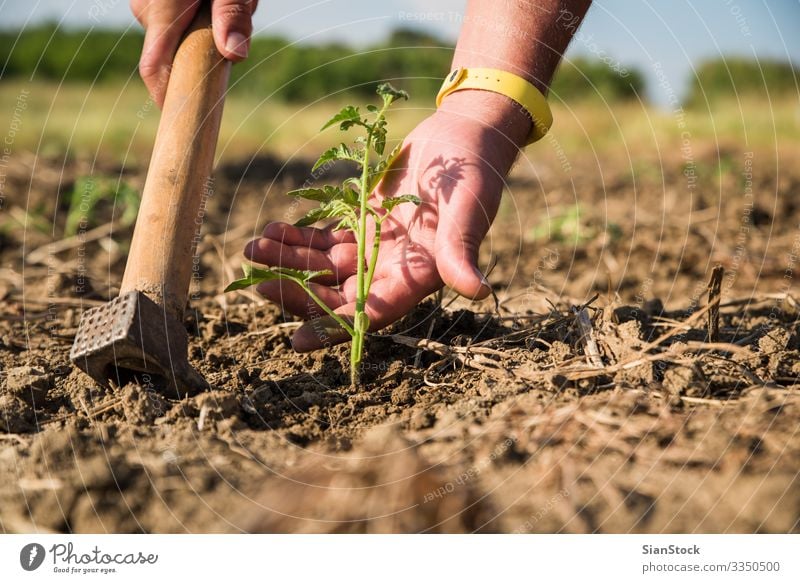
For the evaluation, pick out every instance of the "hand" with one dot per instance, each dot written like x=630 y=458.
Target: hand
x=165 y=22
x=456 y=162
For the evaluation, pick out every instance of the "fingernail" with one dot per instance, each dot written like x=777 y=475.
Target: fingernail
x=237 y=44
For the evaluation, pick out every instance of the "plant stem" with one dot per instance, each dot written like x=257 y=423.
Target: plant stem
x=373 y=258
x=339 y=320
x=364 y=280
x=361 y=291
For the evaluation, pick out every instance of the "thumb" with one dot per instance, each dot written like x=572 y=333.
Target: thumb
x=458 y=239
x=233 y=25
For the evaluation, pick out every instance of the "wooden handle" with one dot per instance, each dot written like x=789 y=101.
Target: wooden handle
x=179 y=178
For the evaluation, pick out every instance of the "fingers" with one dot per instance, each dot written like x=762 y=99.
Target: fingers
x=165 y=23
x=232 y=26
x=293 y=299
x=307 y=236
x=340 y=259
x=463 y=223
x=389 y=300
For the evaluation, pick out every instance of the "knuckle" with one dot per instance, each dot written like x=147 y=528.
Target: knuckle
x=233 y=12
x=149 y=68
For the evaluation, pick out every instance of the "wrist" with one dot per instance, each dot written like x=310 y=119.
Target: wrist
x=507 y=120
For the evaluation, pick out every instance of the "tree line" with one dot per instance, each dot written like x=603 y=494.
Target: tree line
x=303 y=72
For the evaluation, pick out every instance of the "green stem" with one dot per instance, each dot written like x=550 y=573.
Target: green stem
x=373 y=258
x=339 y=320
x=364 y=280
x=361 y=295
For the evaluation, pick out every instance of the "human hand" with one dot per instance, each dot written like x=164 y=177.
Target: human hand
x=165 y=21
x=455 y=162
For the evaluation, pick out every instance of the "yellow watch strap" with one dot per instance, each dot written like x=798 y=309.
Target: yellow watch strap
x=505 y=83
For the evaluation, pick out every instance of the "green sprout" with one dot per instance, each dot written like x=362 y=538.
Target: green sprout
x=89 y=192
x=349 y=205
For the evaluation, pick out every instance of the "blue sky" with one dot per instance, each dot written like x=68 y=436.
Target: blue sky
x=675 y=34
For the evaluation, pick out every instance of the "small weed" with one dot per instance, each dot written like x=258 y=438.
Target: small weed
x=89 y=191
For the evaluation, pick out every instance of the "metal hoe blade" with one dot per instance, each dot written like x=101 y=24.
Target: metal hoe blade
x=133 y=333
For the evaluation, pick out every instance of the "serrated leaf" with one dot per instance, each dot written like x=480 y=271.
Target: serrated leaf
x=256 y=275
x=331 y=210
x=325 y=194
x=340 y=152
x=346 y=118
x=311 y=217
x=392 y=201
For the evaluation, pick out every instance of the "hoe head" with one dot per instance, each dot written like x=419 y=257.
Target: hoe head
x=134 y=336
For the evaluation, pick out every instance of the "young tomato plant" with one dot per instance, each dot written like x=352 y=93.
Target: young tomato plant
x=350 y=207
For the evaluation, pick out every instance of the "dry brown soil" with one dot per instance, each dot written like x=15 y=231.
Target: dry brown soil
x=498 y=423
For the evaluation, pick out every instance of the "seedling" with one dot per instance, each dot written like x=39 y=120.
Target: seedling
x=90 y=191
x=350 y=206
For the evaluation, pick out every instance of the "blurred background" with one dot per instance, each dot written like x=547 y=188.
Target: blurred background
x=80 y=58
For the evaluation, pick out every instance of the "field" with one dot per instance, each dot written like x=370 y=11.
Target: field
x=607 y=388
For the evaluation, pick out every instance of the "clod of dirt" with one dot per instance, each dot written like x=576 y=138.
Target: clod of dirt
x=774 y=341
x=772 y=345
x=29 y=384
x=748 y=356
x=641 y=374
x=215 y=406
x=142 y=406
x=402 y=395
x=684 y=380
x=623 y=340
x=15 y=414
x=560 y=351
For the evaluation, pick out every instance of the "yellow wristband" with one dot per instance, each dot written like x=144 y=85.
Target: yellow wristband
x=505 y=83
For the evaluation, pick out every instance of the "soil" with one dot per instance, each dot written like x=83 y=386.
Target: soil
x=472 y=416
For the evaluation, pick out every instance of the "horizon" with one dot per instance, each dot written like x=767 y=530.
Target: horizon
x=658 y=40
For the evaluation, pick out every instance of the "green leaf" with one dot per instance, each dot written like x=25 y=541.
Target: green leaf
x=353 y=184
x=390 y=94
x=382 y=167
x=390 y=202
x=340 y=152
x=347 y=223
x=324 y=194
x=346 y=118
x=350 y=196
x=331 y=210
x=256 y=275
x=379 y=138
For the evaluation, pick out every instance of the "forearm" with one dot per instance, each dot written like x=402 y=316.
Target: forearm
x=525 y=37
